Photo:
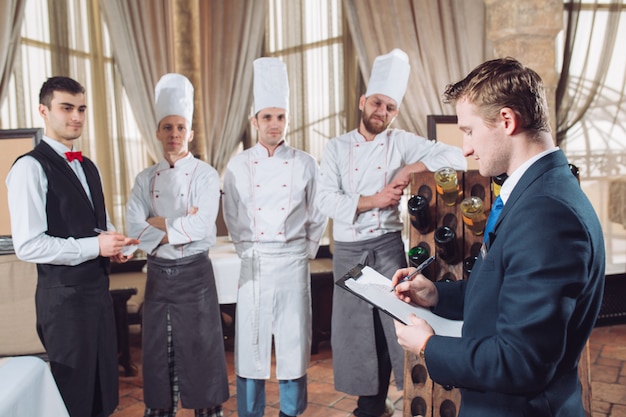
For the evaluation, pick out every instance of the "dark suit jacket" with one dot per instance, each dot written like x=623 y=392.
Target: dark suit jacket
x=529 y=304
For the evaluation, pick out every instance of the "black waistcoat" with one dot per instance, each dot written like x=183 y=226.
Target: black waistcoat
x=70 y=214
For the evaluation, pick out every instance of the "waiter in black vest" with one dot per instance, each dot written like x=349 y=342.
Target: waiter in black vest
x=56 y=205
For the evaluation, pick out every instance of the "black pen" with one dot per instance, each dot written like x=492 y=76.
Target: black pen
x=419 y=269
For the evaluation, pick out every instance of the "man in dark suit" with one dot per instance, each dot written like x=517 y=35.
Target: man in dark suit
x=535 y=291
x=57 y=208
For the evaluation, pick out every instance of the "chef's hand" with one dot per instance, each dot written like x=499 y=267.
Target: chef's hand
x=419 y=290
x=158 y=222
x=385 y=198
x=412 y=337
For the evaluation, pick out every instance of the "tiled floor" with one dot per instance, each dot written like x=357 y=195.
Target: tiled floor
x=608 y=375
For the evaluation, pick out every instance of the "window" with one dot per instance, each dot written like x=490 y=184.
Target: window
x=72 y=40
x=312 y=49
x=596 y=142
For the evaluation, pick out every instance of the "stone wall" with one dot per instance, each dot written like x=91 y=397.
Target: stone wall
x=527 y=30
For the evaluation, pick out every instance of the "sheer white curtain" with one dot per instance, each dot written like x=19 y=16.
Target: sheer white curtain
x=142 y=50
x=444 y=41
x=231 y=38
x=593 y=73
x=10 y=29
x=308 y=36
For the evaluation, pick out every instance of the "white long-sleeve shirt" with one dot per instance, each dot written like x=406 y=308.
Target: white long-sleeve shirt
x=173 y=192
x=27 y=186
x=272 y=199
x=352 y=167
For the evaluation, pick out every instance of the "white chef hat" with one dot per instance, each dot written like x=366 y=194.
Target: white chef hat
x=271 y=85
x=390 y=75
x=173 y=96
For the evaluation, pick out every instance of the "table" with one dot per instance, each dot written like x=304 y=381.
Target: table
x=18 y=281
x=226 y=267
x=27 y=389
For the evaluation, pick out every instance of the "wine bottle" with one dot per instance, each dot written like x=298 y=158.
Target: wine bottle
x=445 y=241
x=496 y=183
x=419 y=211
x=418 y=254
x=575 y=171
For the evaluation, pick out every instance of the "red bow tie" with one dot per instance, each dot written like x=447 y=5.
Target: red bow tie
x=74 y=155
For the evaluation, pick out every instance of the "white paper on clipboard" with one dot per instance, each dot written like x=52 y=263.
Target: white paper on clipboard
x=374 y=288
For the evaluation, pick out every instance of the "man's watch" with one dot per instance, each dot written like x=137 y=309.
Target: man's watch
x=424 y=348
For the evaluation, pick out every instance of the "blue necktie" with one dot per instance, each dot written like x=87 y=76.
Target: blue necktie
x=496 y=208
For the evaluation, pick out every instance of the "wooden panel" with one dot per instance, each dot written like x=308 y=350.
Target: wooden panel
x=13 y=143
x=444 y=129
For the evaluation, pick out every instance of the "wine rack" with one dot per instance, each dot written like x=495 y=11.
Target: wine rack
x=422 y=396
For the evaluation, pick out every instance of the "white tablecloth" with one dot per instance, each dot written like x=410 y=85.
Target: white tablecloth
x=27 y=389
x=226 y=266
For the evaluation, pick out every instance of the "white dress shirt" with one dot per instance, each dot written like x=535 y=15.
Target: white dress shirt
x=27 y=186
x=513 y=179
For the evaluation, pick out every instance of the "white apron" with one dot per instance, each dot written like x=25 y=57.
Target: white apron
x=274 y=296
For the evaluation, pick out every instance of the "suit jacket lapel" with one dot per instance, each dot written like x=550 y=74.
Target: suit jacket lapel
x=531 y=175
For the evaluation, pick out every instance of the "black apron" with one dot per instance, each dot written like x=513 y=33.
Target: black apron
x=186 y=289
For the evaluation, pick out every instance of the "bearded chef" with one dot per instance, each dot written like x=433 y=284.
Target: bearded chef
x=363 y=174
x=269 y=210
x=172 y=208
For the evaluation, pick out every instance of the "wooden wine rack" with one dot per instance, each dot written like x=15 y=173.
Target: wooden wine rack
x=423 y=396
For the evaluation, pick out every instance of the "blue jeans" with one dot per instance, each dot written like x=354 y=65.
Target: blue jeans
x=251 y=396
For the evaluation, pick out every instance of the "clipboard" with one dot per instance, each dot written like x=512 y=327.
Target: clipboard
x=374 y=288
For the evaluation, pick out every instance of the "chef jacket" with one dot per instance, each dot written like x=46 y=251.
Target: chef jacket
x=352 y=167
x=171 y=192
x=262 y=202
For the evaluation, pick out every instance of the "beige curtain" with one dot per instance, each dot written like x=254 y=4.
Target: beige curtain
x=444 y=41
x=142 y=50
x=576 y=94
x=231 y=36
x=308 y=37
x=10 y=28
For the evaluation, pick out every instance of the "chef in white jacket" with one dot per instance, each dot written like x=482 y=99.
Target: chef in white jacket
x=269 y=209
x=362 y=177
x=172 y=211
